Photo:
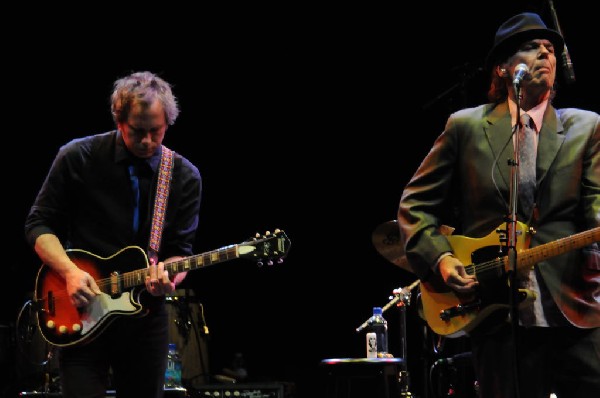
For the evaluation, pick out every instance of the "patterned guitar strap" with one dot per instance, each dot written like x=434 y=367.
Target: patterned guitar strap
x=160 y=202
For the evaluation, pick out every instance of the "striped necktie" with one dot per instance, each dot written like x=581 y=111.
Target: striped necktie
x=527 y=156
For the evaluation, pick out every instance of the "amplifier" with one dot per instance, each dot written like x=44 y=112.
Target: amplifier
x=238 y=390
x=169 y=393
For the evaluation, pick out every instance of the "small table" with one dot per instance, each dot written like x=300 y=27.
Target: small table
x=362 y=377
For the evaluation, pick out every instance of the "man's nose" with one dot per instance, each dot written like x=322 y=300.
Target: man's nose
x=146 y=136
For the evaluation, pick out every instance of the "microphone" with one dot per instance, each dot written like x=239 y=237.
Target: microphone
x=463 y=356
x=566 y=63
x=521 y=71
x=567 y=66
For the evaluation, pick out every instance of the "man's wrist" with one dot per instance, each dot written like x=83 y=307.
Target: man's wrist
x=436 y=267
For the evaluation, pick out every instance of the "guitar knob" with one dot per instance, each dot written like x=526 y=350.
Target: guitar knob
x=532 y=231
x=76 y=327
x=62 y=329
x=50 y=324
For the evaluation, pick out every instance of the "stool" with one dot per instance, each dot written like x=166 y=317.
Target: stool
x=362 y=377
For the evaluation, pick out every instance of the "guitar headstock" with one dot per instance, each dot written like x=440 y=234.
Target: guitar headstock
x=267 y=248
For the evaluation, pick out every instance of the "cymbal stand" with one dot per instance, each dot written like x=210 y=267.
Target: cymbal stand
x=401 y=299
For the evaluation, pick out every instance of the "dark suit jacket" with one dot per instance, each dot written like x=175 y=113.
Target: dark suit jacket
x=464 y=182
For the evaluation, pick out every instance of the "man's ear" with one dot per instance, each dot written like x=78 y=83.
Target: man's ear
x=501 y=71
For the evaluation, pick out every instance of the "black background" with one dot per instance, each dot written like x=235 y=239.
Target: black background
x=307 y=118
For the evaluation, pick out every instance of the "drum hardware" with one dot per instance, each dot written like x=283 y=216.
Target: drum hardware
x=387 y=241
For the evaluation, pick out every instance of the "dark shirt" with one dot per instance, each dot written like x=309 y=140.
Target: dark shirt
x=87 y=199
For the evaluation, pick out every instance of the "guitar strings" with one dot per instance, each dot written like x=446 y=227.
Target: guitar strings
x=547 y=250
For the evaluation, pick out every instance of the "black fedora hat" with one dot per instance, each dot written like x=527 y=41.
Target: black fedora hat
x=518 y=29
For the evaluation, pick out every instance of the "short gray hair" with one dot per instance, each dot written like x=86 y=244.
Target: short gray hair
x=142 y=88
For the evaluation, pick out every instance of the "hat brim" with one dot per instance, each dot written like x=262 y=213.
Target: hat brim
x=508 y=46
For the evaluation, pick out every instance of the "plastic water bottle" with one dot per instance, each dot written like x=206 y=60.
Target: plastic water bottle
x=173 y=372
x=377 y=335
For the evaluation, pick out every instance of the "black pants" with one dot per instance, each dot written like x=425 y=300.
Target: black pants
x=563 y=360
x=134 y=347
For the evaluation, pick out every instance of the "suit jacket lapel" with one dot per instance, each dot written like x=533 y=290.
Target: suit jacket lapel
x=550 y=139
x=498 y=131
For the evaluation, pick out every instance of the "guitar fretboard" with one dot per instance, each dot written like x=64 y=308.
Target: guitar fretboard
x=536 y=254
x=138 y=277
x=529 y=257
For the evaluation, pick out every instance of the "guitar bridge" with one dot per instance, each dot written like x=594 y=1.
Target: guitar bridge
x=461 y=309
x=51 y=304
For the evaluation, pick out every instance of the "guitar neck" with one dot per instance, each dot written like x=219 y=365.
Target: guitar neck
x=266 y=248
x=221 y=255
x=138 y=277
x=532 y=256
x=529 y=257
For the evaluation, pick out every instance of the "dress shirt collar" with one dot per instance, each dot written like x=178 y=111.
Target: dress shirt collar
x=536 y=113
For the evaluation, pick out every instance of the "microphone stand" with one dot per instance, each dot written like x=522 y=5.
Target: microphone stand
x=467 y=72
x=512 y=240
x=401 y=295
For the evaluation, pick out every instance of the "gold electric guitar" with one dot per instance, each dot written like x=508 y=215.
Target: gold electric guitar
x=451 y=314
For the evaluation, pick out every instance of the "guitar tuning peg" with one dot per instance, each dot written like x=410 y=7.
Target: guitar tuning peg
x=280 y=260
x=256 y=236
x=277 y=230
x=270 y=262
x=260 y=263
x=267 y=233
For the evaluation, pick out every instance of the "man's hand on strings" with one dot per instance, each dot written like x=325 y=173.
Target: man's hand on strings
x=158 y=282
x=81 y=287
x=456 y=277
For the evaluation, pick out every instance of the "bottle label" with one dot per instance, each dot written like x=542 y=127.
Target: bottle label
x=371 y=345
x=173 y=371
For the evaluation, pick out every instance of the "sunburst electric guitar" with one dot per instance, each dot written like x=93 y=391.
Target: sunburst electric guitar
x=121 y=283
x=452 y=314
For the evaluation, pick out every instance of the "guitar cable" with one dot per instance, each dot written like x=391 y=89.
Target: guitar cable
x=26 y=327
x=26 y=332
x=451 y=362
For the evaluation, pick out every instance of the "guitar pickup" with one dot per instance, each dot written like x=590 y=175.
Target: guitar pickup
x=116 y=286
x=461 y=309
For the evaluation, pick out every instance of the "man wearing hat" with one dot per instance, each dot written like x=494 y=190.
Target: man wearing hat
x=465 y=181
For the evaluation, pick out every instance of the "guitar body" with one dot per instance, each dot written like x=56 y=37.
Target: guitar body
x=63 y=324
x=468 y=311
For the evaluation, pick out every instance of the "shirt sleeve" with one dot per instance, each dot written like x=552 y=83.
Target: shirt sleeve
x=49 y=212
